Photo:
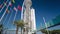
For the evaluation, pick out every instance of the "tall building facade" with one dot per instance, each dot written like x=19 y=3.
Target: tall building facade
x=33 y=20
x=28 y=16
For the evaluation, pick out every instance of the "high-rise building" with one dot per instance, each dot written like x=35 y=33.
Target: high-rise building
x=33 y=21
x=28 y=16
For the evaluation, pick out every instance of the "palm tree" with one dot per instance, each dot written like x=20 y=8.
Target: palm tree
x=1 y=28
x=19 y=24
x=15 y=23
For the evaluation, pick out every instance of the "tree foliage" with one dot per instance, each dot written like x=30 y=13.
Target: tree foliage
x=51 y=32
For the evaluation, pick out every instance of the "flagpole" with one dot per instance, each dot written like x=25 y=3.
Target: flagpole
x=22 y=11
x=15 y=16
x=41 y=25
x=10 y=17
x=22 y=15
x=3 y=6
x=5 y=19
x=45 y=25
x=4 y=13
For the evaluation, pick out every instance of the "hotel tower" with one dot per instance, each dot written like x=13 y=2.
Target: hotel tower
x=28 y=16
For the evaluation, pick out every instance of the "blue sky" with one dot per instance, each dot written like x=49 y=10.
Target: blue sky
x=43 y=8
x=46 y=8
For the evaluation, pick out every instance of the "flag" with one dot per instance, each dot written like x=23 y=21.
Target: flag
x=7 y=11
x=19 y=7
x=45 y=25
x=15 y=9
x=13 y=1
x=0 y=6
x=4 y=3
x=10 y=4
x=44 y=22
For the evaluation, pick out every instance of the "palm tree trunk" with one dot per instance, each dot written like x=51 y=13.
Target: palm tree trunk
x=17 y=30
x=27 y=30
x=21 y=30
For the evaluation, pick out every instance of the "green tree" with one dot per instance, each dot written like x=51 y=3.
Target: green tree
x=19 y=24
x=1 y=28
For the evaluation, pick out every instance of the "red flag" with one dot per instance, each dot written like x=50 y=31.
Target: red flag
x=15 y=9
x=10 y=4
x=19 y=7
